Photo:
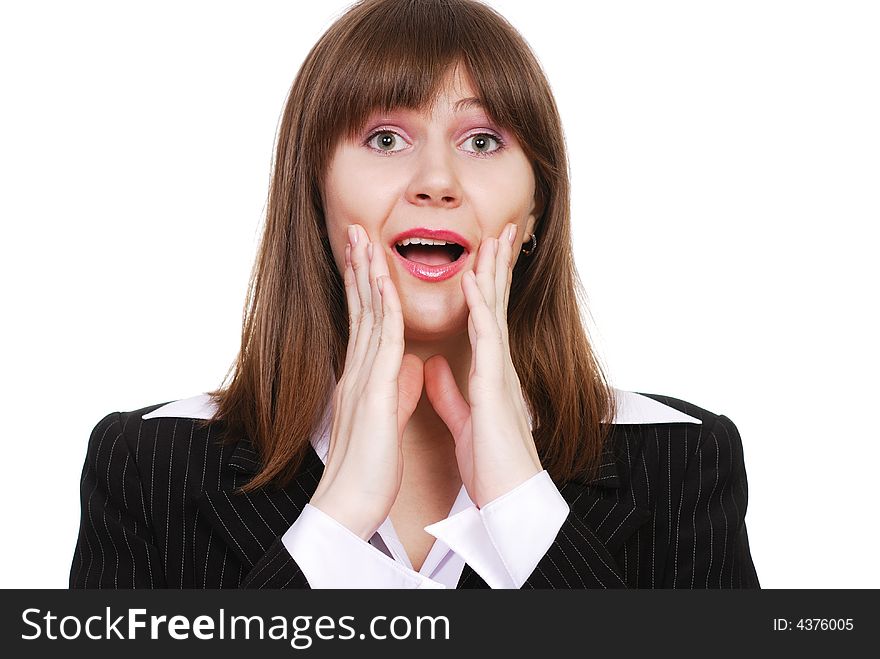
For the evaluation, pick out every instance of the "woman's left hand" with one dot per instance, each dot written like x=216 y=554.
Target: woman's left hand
x=494 y=446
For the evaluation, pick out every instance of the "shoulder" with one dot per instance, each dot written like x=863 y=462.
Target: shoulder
x=664 y=452
x=698 y=445
x=712 y=423
x=674 y=434
x=161 y=433
x=650 y=409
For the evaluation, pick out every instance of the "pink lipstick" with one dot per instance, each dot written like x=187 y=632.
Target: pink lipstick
x=427 y=271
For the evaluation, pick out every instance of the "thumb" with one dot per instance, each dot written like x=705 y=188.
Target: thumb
x=443 y=392
x=409 y=389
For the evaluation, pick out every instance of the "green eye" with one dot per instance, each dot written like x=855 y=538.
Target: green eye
x=482 y=142
x=387 y=139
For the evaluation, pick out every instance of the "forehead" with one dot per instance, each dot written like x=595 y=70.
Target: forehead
x=456 y=84
x=455 y=93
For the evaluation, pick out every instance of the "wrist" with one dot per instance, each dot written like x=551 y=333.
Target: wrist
x=501 y=489
x=343 y=517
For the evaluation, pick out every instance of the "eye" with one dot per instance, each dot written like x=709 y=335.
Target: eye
x=384 y=140
x=482 y=142
x=387 y=140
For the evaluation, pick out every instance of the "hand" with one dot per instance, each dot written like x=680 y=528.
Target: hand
x=374 y=398
x=494 y=447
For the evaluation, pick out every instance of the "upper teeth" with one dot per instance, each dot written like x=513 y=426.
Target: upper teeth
x=424 y=241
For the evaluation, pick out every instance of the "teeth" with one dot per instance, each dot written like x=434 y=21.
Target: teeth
x=423 y=241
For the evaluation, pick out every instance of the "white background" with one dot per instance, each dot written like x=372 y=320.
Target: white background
x=725 y=161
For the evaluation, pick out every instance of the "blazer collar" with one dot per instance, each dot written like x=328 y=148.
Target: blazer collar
x=632 y=409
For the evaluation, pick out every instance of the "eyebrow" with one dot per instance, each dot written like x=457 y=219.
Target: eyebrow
x=460 y=105
x=467 y=103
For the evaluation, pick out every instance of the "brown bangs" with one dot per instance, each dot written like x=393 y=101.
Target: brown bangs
x=424 y=42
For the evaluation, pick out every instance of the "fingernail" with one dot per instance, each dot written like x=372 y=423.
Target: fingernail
x=511 y=234
x=370 y=250
x=495 y=246
x=352 y=234
x=380 y=282
x=348 y=255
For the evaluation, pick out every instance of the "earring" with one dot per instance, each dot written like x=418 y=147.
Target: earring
x=534 y=242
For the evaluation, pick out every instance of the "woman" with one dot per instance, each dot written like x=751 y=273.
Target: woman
x=415 y=403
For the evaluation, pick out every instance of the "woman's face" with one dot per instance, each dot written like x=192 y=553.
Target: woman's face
x=443 y=170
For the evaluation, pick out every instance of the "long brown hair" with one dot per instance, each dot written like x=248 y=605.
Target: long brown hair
x=394 y=54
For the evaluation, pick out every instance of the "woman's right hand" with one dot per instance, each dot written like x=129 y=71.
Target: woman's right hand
x=373 y=400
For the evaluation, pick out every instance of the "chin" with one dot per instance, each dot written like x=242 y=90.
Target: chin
x=434 y=327
x=433 y=312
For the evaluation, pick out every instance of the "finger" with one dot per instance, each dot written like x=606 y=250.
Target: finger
x=503 y=271
x=379 y=261
x=379 y=269
x=378 y=310
x=361 y=266
x=486 y=342
x=443 y=393
x=386 y=364
x=353 y=303
x=485 y=270
x=410 y=383
x=513 y=256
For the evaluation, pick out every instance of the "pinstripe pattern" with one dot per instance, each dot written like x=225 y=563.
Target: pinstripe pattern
x=667 y=510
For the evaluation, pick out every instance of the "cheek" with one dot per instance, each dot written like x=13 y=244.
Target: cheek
x=506 y=194
x=339 y=212
x=345 y=206
x=338 y=201
x=521 y=188
x=355 y=196
x=341 y=188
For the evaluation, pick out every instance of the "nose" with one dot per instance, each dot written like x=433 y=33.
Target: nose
x=434 y=180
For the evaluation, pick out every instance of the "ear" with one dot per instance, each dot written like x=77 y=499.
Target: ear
x=537 y=210
x=530 y=227
x=531 y=222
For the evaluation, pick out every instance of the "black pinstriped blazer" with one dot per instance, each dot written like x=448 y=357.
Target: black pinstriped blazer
x=158 y=511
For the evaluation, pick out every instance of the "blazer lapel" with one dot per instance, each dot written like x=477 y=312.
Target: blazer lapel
x=612 y=519
x=598 y=503
x=606 y=503
x=250 y=522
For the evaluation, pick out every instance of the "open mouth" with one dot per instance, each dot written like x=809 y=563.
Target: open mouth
x=435 y=252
